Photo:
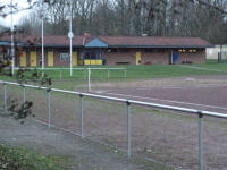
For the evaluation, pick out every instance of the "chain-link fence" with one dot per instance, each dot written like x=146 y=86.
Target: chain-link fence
x=177 y=137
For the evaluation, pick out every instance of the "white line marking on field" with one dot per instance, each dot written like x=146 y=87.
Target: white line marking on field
x=180 y=87
x=202 y=68
x=170 y=101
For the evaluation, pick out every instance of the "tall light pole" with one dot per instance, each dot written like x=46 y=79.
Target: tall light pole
x=42 y=37
x=12 y=40
x=70 y=35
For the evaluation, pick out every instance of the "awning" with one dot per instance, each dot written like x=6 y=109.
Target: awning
x=96 y=43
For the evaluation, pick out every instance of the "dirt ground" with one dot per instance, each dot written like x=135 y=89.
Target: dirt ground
x=164 y=136
x=199 y=92
x=83 y=154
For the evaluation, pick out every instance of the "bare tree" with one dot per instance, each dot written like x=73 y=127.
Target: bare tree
x=203 y=18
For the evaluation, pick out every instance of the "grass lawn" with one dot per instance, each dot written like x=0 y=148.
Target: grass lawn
x=214 y=65
x=140 y=71
x=80 y=77
x=137 y=72
x=168 y=71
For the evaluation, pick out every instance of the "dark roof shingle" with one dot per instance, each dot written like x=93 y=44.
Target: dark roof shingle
x=120 y=41
x=152 y=40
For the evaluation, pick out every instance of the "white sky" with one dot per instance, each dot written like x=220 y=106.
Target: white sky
x=16 y=17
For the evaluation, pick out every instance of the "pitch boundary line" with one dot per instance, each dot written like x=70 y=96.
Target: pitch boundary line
x=202 y=68
x=181 y=87
x=170 y=101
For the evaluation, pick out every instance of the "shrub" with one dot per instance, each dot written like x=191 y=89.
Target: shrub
x=18 y=158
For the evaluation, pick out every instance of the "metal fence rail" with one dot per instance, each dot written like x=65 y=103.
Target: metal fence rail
x=86 y=78
x=51 y=95
x=86 y=71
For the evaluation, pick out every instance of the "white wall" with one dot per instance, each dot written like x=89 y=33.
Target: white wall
x=212 y=53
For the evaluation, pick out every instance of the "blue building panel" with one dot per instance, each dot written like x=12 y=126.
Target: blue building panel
x=96 y=43
x=4 y=43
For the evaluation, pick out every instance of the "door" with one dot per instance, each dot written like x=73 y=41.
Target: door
x=33 y=58
x=138 y=58
x=23 y=59
x=50 y=58
x=175 y=57
x=74 y=58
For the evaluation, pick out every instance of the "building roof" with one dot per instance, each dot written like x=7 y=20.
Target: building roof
x=113 y=41
x=96 y=43
x=49 y=40
x=155 y=42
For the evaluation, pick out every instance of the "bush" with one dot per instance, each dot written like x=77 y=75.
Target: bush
x=17 y=158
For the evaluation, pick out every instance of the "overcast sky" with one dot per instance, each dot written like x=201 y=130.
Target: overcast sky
x=16 y=17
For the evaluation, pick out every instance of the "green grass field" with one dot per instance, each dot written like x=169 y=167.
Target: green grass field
x=144 y=71
x=138 y=72
x=214 y=65
x=133 y=73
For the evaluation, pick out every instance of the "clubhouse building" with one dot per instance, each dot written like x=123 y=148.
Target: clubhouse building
x=89 y=50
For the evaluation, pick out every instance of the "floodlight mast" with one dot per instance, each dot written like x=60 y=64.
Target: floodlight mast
x=70 y=35
x=42 y=38
x=12 y=44
x=12 y=40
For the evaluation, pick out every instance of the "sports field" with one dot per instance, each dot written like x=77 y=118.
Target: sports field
x=142 y=76
x=165 y=136
x=139 y=72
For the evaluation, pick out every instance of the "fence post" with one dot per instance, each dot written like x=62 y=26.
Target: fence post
x=129 y=129
x=200 y=126
x=49 y=107
x=108 y=73
x=5 y=87
x=60 y=74
x=85 y=74
x=24 y=97
x=125 y=73
x=89 y=79
x=82 y=114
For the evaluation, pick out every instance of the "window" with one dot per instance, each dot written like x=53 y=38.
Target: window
x=182 y=50
x=92 y=55
x=112 y=50
x=64 y=56
x=187 y=51
x=89 y=55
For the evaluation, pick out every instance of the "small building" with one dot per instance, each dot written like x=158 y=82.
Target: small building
x=91 y=50
x=219 y=52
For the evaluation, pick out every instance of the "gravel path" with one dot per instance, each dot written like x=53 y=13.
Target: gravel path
x=84 y=154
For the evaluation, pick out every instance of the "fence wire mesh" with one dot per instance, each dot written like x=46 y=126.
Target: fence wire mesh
x=165 y=136
x=2 y=96
x=105 y=122
x=215 y=143
x=66 y=111
x=39 y=98
x=14 y=95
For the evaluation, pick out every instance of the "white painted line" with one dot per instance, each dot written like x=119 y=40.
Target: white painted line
x=180 y=87
x=202 y=68
x=170 y=101
x=183 y=87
